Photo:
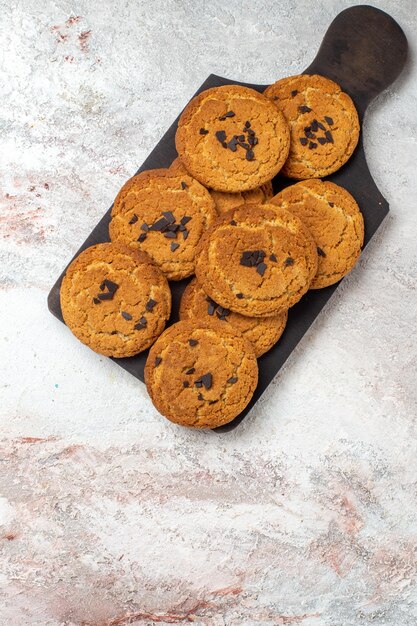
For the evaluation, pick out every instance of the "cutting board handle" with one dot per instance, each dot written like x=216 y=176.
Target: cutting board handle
x=363 y=50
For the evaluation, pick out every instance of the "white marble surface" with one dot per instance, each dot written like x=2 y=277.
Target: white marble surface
x=110 y=515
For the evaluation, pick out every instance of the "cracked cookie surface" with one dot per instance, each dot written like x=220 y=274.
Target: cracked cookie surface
x=262 y=332
x=257 y=260
x=333 y=217
x=163 y=213
x=323 y=121
x=201 y=374
x=225 y=201
x=232 y=138
x=115 y=300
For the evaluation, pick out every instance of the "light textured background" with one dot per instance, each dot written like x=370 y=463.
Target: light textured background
x=109 y=515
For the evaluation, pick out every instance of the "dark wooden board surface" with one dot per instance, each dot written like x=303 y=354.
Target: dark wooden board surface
x=363 y=50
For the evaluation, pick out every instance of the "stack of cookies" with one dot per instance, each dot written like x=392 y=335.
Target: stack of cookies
x=213 y=216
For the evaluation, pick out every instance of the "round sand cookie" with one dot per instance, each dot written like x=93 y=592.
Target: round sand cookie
x=225 y=201
x=201 y=374
x=262 y=332
x=232 y=138
x=163 y=213
x=256 y=260
x=335 y=222
x=323 y=121
x=115 y=300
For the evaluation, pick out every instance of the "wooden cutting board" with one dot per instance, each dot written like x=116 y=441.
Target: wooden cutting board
x=364 y=51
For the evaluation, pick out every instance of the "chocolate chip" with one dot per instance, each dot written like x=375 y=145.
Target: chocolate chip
x=158 y=360
x=314 y=126
x=294 y=92
x=174 y=246
x=272 y=257
x=160 y=224
x=232 y=223
x=261 y=268
x=221 y=136
x=96 y=301
x=106 y=296
x=320 y=125
x=111 y=286
x=184 y=220
x=126 y=315
x=185 y=234
x=239 y=296
x=169 y=216
x=246 y=262
x=250 y=155
x=247 y=124
x=173 y=227
x=331 y=204
x=303 y=141
x=309 y=134
x=312 y=145
x=288 y=261
x=275 y=98
x=206 y=380
x=329 y=136
x=150 y=304
x=321 y=252
x=170 y=234
x=322 y=140
x=210 y=309
x=139 y=326
x=224 y=144
x=232 y=145
x=143 y=321
x=203 y=131
x=251 y=258
x=193 y=342
x=244 y=145
x=142 y=237
x=185 y=383
x=251 y=132
x=252 y=141
x=232 y=380
x=200 y=397
x=144 y=227
x=113 y=332
x=228 y=114
x=191 y=370
x=329 y=120
x=134 y=219
x=184 y=185
x=304 y=109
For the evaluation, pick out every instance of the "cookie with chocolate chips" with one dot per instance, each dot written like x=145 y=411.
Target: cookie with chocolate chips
x=201 y=374
x=163 y=213
x=232 y=138
x=262 y=332
x=257 y=260
x=225 y=201
x=324 y=124
x=115 y=300
x=336 y=224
